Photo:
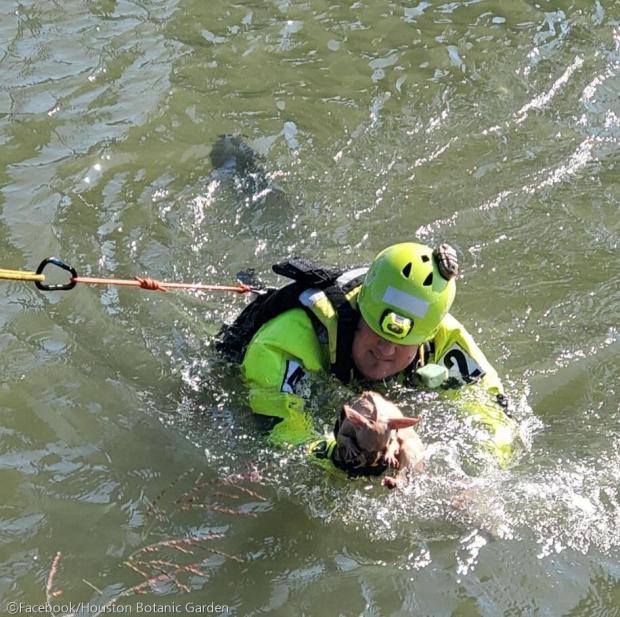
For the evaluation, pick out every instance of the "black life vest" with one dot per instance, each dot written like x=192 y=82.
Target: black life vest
x=233 y=339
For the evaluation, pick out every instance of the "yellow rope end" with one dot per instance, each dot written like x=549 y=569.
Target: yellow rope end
x=18 y=275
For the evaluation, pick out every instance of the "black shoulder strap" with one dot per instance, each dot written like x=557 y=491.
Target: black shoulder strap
x=348 y=319
x=347 y=324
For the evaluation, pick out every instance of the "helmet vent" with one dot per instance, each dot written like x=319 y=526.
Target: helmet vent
x=429 y=280
x=425 y=258
x=407 y=270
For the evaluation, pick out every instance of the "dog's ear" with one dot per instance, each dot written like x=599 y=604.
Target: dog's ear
x=396 y=423
x=354 y=417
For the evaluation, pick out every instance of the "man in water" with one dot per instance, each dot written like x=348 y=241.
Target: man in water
x=390 y=320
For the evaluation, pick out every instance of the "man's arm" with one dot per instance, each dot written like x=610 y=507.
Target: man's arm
x=456 y=350
x=277 y=358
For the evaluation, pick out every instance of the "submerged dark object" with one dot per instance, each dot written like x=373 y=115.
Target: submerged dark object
x=232 y=158
x=232 y=155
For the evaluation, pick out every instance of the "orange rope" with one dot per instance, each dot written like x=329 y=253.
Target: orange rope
x=153 y=285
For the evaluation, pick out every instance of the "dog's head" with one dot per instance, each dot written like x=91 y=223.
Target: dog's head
x=373 y=418
x=373 y=435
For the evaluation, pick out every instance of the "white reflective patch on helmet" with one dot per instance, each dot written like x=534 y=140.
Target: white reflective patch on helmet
x=405 y=302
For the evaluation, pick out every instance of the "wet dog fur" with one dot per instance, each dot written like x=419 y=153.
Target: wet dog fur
x=372 y=435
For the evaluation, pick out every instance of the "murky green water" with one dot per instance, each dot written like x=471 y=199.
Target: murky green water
x=492 y=125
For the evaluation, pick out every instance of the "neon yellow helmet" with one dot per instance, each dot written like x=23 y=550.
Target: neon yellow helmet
x=407 y=291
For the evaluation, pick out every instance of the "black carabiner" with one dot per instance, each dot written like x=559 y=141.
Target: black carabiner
x=61 y=264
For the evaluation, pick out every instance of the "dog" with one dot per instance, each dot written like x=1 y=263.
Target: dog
x=372 y=435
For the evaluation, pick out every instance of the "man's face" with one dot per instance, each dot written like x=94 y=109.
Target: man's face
x=375 y=357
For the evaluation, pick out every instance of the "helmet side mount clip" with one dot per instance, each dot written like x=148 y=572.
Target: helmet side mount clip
x=447 y=261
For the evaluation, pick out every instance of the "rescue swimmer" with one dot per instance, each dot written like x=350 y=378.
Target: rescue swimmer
x=389 y=320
